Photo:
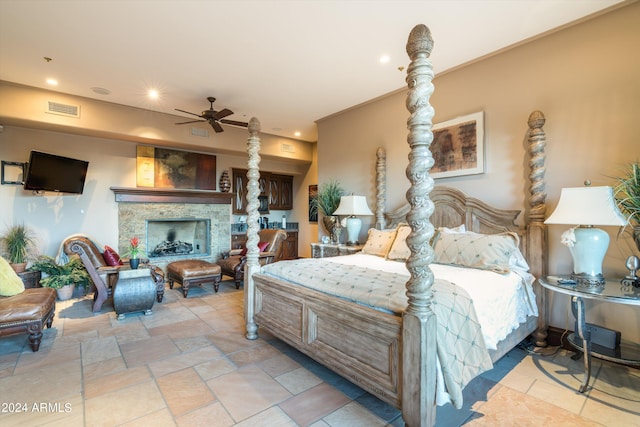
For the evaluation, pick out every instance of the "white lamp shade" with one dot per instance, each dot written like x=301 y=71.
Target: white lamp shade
x=353 y=205
x=587 y=206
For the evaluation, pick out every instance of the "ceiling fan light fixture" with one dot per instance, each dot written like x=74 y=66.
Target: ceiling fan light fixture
x=214 y=118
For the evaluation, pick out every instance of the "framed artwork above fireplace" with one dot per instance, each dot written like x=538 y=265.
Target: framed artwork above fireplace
x=165 y=168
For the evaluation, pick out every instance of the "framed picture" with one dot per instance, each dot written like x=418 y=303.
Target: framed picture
x=13 y=173
x=166 y=168
x=313 y=194
x=458 y=146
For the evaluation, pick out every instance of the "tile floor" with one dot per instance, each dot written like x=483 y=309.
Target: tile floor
x=189 y=364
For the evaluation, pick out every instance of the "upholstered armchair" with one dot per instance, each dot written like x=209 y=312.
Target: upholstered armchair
x=232 y=263
x=102 y=275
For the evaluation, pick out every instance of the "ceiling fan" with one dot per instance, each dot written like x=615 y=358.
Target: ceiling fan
x=214 y=117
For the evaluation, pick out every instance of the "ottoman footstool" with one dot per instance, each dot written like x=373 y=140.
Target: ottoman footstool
x=193 y=272
x=28 y=312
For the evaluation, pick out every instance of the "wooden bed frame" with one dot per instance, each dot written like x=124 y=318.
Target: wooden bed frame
x=394 y=357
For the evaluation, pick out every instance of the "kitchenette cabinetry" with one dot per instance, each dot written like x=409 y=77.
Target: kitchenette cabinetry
x=276 y=188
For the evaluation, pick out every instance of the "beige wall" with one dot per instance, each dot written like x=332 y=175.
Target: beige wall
x=585 y=80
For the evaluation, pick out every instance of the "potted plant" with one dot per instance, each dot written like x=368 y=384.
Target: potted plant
x=18 y=243
x=326 y=202
x=62 y=277
x=134 y=252
x=627 y=194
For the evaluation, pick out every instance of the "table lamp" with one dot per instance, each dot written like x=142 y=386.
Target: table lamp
x=586 y=207
x=352 y=206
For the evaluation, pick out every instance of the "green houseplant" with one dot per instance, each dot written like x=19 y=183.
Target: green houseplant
x=62 y=277
x=18 y=243
x=326 y=202
x=627 y=194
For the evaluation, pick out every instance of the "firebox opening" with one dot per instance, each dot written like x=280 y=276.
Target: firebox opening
x=177 y=237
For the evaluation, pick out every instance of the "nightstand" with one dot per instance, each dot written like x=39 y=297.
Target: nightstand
x=613 y=292
x=325 y=250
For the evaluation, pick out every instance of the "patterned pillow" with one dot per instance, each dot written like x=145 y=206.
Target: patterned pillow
x=399 y=250
x=379 y=242
x=483 y=251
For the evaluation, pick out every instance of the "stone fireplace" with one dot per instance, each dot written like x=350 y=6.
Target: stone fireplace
x=199 y=218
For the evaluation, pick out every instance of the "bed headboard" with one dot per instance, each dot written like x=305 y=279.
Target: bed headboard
x=452 y=207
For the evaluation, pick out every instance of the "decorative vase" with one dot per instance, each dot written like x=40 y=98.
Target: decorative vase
x=65 y=292
x=333 y=227
x=225 y=182
x=134 y=263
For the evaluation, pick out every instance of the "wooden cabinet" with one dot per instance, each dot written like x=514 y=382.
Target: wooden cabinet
x=280 y=192
x=238 y=241
x=239 y=181
x=290 y=246
x=278 y=189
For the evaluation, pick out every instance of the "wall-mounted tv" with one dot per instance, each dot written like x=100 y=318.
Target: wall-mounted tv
x=48 y=172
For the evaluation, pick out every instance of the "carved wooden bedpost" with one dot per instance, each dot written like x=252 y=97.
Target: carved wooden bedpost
x=419 y=321
x=381 y=186
x=537 y=229
x=253 y=191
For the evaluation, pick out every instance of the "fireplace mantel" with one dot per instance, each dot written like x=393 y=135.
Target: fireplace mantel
x=171 y=195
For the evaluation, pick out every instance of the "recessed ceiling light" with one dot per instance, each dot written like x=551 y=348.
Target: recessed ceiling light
x=101 y=90
x=52 y=82
x=384 y=59
x=153 y=94
x=297 y=133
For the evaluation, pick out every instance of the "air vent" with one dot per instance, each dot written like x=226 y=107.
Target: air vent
x=63 y=109
x=200 y=132
x=287 y=148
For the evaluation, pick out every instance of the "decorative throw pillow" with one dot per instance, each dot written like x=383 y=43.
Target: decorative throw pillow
x=483 y=251
x=111 y=257
x=399 y=250
x=379 y=242
x=445 y=230
x=10 y=282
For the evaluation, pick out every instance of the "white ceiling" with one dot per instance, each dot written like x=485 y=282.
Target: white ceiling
x=289 y=63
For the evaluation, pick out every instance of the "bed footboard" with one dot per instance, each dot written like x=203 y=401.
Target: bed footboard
x=357 y=342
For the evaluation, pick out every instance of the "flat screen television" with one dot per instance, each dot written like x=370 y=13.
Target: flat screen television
x=48 y=172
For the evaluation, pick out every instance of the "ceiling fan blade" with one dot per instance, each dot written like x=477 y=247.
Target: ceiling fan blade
x=216 y=126
x=222 y=113
x=191 y=121
x=187 y=112
x=234 y=123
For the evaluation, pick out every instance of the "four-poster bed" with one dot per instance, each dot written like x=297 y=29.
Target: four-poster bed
x=394 y=354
